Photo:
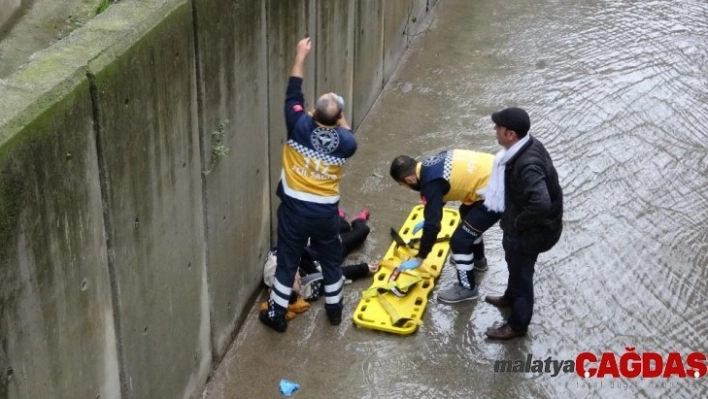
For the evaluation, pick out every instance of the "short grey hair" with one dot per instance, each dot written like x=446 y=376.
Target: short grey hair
x=328 y=109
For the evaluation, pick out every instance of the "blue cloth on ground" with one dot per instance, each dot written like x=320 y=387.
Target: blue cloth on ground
x=288 y=387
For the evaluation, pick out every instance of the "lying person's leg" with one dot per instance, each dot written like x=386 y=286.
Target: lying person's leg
x=355 y=237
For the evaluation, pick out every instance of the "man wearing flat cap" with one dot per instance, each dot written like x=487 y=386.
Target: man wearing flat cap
x=524 y=186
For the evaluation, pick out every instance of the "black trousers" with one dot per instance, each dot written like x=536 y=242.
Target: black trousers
x=294 y=231
x=519 y=289
x=353 y=236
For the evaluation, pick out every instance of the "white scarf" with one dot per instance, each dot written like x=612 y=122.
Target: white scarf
x=494 y=192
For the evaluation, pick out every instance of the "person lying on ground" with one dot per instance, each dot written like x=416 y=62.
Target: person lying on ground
x=308 y=280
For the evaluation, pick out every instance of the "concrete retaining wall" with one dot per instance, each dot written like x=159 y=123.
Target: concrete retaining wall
x=57 y=332
x=129 y=251
x=145 y=97
x=233 y=56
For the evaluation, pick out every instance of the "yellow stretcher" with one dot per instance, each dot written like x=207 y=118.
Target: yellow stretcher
x=382 y=307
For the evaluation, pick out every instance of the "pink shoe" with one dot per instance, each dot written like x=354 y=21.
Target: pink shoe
x=364 y=215
x=342 y=213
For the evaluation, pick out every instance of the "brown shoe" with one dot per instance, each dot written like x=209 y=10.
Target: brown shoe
x=498 y=301
x=504 y=333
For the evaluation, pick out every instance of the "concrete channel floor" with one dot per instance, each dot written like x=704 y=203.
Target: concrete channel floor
x=477 y=57
x=448 y=356
x=348 y=361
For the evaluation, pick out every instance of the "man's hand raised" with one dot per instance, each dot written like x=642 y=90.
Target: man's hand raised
x=303 y=47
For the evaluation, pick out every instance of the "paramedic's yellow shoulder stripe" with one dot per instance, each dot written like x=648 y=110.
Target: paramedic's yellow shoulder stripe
x=469 y=172
x=309 y=175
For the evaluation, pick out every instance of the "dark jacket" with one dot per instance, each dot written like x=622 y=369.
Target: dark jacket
x=533 y=199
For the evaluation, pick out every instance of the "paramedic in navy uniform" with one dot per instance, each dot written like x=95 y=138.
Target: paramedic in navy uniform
x=451 y=175
x=314 y=155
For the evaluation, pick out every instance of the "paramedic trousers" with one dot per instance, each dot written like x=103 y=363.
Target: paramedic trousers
x=467 y=243
x=294 y=230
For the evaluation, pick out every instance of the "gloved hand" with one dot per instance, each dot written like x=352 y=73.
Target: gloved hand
x=418 y=226
x=410 y=264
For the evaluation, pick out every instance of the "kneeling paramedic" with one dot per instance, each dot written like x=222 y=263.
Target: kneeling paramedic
x=451 y=175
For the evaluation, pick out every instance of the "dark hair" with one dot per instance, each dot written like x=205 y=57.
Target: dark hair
x=327 y=110
x=402 y=167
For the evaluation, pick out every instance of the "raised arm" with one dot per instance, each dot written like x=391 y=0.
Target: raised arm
x=294 y=99
x=303 y=48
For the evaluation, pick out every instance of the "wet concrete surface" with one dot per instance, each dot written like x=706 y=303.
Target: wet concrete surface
x=41 y=25
x=618 y=92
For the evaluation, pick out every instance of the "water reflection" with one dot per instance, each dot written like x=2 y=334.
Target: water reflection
x=618 y=93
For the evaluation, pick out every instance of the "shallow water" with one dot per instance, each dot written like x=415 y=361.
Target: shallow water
x=618 y=93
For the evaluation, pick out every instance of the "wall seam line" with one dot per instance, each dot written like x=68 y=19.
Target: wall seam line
x=108 y=231
x=202 y=168
x=268 y=132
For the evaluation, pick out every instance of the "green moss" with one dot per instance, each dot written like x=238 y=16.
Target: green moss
x=218 y=148
x=103 y=5
x=18 y=156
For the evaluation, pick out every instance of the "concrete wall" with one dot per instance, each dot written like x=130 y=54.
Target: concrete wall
x=402 y=20
x=232 y=44
x=54 y=285
x=367 y=79
x=129 y=253
x=145 y=95
x=57 y=332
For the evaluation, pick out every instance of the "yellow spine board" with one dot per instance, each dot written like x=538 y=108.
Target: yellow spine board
x=385 y=311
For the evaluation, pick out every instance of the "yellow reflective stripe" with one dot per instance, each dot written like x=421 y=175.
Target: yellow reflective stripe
x=303 y=196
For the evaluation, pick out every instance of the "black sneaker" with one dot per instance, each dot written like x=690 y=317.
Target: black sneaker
x=279 y=324
x=334 y=315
